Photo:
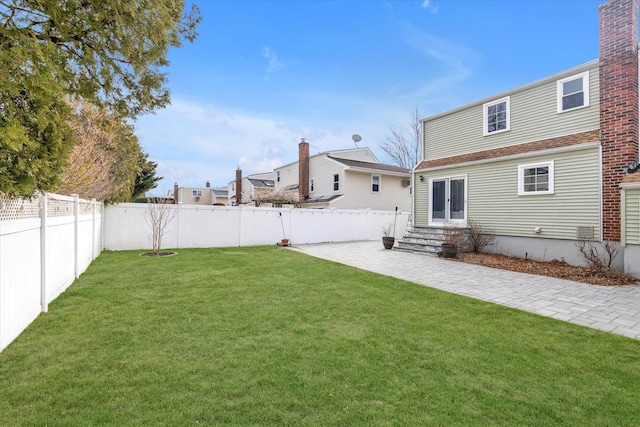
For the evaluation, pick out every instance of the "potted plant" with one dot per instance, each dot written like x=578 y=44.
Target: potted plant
x=452 y=238
x=387 y=239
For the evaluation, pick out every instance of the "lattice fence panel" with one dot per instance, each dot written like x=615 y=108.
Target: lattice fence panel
x=59 y=207
x=11 y=209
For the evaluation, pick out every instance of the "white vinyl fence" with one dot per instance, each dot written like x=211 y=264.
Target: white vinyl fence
x=231 y=226
x=45 y=244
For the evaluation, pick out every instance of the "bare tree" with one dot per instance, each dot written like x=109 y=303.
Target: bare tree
x=404 y=144
x=158 y=216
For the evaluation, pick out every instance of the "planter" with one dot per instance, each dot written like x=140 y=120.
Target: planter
x=284 y=242
x=388 y=242
x=449 y=251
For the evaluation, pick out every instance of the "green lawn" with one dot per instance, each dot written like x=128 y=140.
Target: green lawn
x=268 y=336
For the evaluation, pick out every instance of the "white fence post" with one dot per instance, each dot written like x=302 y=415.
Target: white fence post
x=44 y=213
x=76 y=236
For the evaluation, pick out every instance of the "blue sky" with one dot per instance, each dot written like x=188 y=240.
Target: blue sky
x=263 y=74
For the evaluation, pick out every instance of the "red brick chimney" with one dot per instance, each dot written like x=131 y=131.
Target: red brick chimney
x=303 y=170
x=238 y=186
x=618 y=104
x=175 y=193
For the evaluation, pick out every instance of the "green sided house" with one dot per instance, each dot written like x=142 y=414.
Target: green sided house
x=546 y=164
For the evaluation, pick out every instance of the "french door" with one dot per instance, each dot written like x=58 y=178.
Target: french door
x=448 y=200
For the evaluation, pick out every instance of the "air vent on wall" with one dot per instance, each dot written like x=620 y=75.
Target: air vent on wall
x=585 y=232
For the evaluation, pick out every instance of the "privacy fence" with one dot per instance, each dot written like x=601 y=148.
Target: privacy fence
x=45 y=243
x=127 y=226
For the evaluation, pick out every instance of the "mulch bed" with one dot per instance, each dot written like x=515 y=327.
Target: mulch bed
x=554 y=268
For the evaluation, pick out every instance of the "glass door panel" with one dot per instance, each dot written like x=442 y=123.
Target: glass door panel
x=439 y=200
x=456 y=207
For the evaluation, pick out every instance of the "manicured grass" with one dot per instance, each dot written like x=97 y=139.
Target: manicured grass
x=267 y=336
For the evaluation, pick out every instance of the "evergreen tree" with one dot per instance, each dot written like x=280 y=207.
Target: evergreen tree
x=111 y=53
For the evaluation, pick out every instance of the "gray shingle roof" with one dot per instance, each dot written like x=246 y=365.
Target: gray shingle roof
x=368 y=165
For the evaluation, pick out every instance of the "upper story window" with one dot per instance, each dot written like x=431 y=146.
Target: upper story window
x=535 y=178
x=497 y=116
x=336 y=182
x=197 y=193
x=573 y=92
x=277 y=176
x=375 y=183
x=311 y=185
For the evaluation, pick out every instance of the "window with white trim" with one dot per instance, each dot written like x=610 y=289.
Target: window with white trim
x=375 y=183
x=497 y=116
x=277 y=176
x=197 y=193
x=311 y=185
x=573 y=92
x=535 y=178
x=336 y=182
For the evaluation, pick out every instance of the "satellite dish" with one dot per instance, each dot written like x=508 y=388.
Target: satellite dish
x=356 y=138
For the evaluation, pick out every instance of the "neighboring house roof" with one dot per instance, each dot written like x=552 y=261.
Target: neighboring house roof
x=322 y=199
x=367 y=165
x=268 y=183
x=334 y=153
x=220 y=192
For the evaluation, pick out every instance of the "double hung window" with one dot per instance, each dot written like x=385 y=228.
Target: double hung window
x=573 y=92
x=375 y=183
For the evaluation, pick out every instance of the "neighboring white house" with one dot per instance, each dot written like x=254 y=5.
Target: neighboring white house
x=243 y=190
x=345 y=179
x=200 y=195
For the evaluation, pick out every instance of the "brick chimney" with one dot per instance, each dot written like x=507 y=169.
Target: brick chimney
x=208 y=184
x=303 y=170
x=238 y=186
x=175 y=193
x=618 y=104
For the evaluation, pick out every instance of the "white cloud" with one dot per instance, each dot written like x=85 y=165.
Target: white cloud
x=272 y=60
x=428 y=5
x=193 y=143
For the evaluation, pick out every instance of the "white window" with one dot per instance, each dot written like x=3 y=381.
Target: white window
x=336 y=182
x=497 y=116
x=197 y=193
x=573 y=92
x=375 y=183
x=278 y=176
x=311 y=185
x=536 y=178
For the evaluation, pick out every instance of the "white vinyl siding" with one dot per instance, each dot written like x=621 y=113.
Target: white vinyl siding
x=358 y=195
x=533 y=117
x=632 y=216
x=492 y=196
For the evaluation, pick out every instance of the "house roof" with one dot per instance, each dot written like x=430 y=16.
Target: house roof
x=631 y=178
x=367 y=165
x=545 y=144
x=220 y=192
x=261 y=182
